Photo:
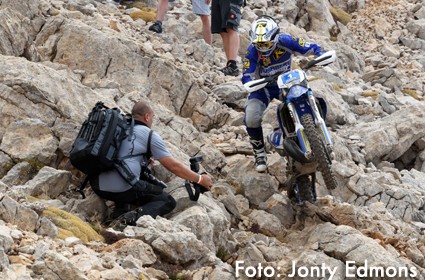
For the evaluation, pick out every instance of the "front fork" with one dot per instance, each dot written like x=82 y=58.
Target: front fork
x=299 y=130
x=320 y=123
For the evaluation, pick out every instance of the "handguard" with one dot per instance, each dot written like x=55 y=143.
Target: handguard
x=255 y=85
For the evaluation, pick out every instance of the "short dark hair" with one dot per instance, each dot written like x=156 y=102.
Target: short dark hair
x=141 y=108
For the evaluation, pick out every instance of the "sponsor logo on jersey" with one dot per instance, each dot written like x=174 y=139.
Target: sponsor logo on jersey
x=246 y=63
x=266 y=61
x=278 y=53
x=274 y=69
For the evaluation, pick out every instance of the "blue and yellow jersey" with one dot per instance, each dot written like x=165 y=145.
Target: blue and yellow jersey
x=279 y=61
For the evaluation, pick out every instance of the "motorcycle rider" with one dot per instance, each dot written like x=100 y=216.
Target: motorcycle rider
x=269 y=54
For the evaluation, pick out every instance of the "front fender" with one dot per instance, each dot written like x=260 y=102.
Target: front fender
x=322 y=105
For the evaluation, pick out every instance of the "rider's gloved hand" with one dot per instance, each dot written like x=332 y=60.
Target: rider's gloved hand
x=303 y=62
x=272 y=84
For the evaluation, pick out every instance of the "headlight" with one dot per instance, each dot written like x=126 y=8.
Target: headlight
x=296 y=91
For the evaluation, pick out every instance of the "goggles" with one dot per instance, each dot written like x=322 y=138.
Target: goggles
x=264 y=46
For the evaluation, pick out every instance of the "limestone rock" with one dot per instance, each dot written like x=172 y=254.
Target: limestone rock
x=54 y=264
x=172 y=241
x=13 y=212
x=49 y=183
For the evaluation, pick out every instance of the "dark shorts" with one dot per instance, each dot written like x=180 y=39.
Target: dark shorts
x=225 y=14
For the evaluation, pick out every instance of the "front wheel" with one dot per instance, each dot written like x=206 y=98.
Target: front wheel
x=319 y=151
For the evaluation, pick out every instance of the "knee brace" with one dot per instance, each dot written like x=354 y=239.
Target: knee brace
x=254 y=110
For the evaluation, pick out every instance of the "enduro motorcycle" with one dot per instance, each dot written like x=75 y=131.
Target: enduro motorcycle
x=302 y=135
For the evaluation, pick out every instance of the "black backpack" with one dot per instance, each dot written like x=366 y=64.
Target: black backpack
x=98 y=142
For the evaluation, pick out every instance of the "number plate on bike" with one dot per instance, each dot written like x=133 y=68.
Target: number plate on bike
x=291 y=78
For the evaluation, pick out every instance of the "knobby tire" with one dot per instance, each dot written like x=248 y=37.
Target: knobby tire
x=304 y=187
x=319 y=151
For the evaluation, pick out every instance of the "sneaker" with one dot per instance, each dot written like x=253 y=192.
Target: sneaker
x=156 y=27
x=261 y=162
x=130 y=218
x=119 y=210
x=230 y=71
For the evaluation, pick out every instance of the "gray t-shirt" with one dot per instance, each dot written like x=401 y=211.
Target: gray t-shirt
x=111 y=181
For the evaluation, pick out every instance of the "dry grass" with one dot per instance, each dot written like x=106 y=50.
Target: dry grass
x=337 y=87
x=412 y=93
x=70 y=225
x=370 y=93
x=340 y=15
x=147 y=14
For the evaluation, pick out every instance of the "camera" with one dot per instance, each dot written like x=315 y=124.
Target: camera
x=194 y=163
x=146 y=175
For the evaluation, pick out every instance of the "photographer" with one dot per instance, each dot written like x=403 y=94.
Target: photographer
x=150 y=198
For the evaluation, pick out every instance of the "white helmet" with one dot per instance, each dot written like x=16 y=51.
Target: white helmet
x=263 y=34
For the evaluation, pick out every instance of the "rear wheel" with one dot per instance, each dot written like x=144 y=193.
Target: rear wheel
x=304 y=188
x=320 y=152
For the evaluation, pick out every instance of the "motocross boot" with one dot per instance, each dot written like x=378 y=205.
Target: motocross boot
x=260 y=154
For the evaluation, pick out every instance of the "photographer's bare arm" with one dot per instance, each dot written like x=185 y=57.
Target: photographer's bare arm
x=184 y=172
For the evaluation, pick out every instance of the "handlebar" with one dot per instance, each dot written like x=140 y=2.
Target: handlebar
x=323 y=60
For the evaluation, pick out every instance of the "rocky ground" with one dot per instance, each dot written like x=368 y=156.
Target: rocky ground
x=58 y=57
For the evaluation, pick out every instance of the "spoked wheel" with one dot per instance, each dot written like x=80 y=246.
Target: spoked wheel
x=305 y=189
x=320 y=152
x=300 y=189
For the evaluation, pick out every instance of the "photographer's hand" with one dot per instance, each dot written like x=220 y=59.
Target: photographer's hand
x=184 y=172
x=206 y=181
